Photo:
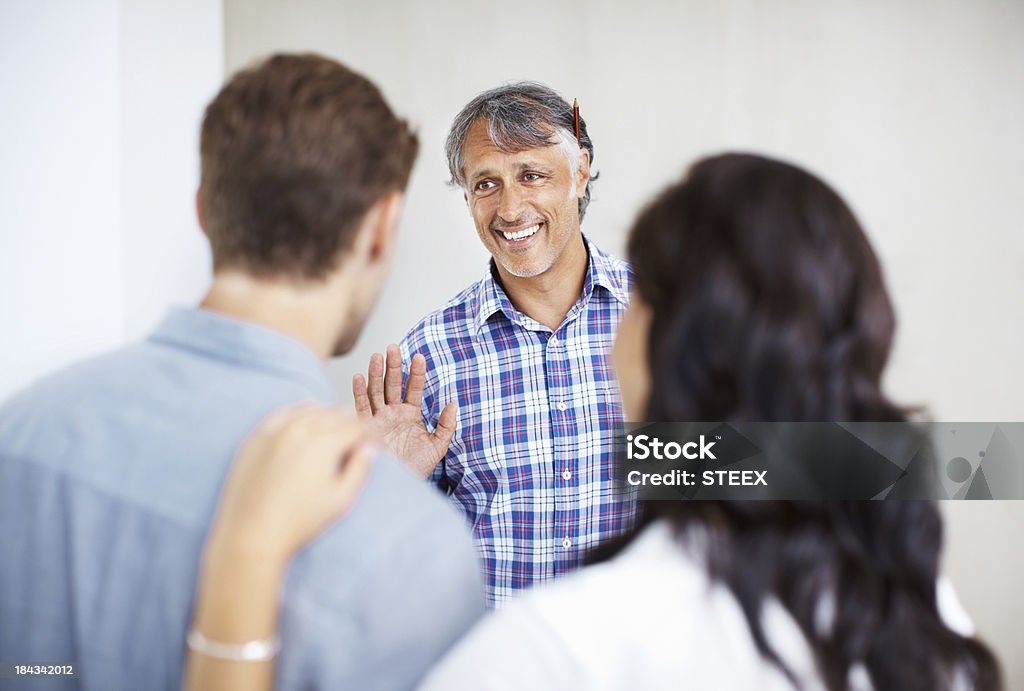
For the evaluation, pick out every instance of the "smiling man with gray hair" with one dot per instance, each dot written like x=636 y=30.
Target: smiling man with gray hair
x=524 y=352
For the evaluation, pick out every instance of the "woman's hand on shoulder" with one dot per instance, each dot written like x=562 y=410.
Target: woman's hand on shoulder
x=300 y=470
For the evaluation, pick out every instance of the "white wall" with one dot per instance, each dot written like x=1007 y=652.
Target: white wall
x=60 y=192
x=100 y=118
x=172 y=64
x=912 y=109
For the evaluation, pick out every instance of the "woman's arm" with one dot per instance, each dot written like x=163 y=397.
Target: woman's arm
x=236 y=603
x=287 y=484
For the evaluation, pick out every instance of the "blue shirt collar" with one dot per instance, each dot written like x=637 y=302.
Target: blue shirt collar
x=245 y=343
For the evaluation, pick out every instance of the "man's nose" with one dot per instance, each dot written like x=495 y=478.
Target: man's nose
x=510 y=204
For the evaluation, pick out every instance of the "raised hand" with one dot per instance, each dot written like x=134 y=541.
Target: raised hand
x=397 y=420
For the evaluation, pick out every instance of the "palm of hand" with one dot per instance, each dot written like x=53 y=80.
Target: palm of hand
x=396 y=419
x=400 y=427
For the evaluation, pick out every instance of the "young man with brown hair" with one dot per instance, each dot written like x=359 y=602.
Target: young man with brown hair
x=109 y=470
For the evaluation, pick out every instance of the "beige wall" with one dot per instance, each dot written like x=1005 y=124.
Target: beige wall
x=912 y=109
x=985 y=559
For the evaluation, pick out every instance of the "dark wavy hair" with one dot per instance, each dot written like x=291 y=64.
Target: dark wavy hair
x=769 y=304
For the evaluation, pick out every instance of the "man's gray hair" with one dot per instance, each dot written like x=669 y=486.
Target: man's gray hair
x=519 y=116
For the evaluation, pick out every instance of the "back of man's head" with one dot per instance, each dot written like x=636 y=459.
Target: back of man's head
x=295 y=150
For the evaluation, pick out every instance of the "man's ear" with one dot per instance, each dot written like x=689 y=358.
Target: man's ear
x=382 y=225
x=583 y=173
x=200 y=214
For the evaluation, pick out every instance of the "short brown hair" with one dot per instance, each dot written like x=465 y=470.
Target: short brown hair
x=294 y=151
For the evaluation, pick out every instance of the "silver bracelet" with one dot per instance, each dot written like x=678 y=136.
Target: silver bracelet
x=252 y=651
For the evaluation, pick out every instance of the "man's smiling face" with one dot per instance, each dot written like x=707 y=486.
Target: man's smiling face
x=524 y=204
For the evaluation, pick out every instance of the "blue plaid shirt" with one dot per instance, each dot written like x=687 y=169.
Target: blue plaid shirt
x=531 y=462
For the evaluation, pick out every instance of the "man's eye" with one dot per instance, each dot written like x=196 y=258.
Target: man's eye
x=484 y=185
x=530 y=177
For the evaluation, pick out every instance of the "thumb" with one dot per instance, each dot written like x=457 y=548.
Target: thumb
x=348 y=483
x=445 y=429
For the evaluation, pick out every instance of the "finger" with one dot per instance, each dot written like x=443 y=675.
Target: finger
x=417 y=379
x=445 y=429
x=375 y=386
x=346 y=427
x=307 y=423
x=339 y=481
x=331 y=437
x=337 y=421
x=283 y=435
x=361 y=398
x=349 y=481
x=274 y=427
x=393 y=375
x=281 y=417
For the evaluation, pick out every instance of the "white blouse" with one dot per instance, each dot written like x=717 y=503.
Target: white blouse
x=650 y=618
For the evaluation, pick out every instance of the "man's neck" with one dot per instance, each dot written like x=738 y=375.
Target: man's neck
x=309 y=314
x=547 y=298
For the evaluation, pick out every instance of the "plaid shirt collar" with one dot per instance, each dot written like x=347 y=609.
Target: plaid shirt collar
x=491 y=297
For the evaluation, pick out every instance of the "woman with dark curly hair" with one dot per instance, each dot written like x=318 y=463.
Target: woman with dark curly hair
x=758 y=298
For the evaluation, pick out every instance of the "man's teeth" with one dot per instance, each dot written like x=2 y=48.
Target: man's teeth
x=524 y=233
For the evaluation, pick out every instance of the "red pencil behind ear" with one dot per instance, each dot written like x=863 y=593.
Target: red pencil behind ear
x=576 y=119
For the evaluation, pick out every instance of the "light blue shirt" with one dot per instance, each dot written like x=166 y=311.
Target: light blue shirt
x=109 y=475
